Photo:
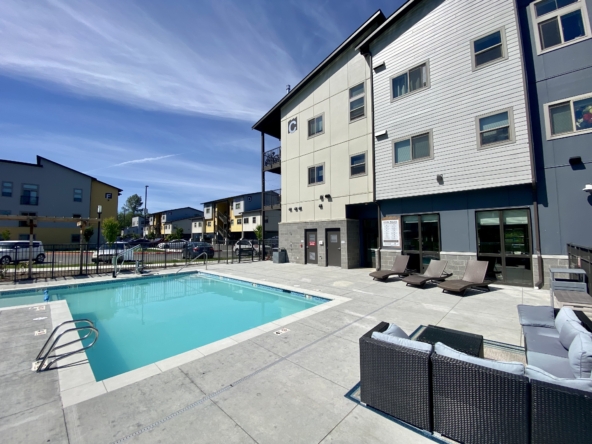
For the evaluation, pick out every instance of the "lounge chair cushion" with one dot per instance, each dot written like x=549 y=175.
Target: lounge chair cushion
x=541 y=375
x=569 y=331
x=555 y=365
x=516 y=368
x=396 y=331
x=544 y=340
x=415 y=345
x=566 y=313
x=536 y=316
x=580 y=356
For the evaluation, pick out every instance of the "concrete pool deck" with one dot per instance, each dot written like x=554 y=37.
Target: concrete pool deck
x=265 y=389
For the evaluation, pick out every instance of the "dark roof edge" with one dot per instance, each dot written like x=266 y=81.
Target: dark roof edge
x=39 y=158
x=363 y=47
x=377 y=16
x=14 y=162
x=222 y=199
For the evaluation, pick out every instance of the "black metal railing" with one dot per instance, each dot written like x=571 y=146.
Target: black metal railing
x=581 y=257
x=29 y=200
x=273 y=198
x=272 y=157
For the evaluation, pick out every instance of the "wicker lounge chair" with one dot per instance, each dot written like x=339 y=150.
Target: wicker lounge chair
x=474 y=277
x=434 y=273
x=399 y=269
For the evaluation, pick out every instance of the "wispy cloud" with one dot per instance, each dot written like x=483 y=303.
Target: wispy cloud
x=222 y=63
x=144 y=160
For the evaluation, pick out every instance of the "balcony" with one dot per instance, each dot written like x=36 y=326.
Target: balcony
x=273 y=200
x=272 y=160
x=29 y=200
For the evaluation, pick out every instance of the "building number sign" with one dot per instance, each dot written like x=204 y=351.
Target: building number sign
x=292 y=125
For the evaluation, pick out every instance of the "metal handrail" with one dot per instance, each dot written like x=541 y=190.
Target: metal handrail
x=42 y=358
x=122 y=254
x=194 y=259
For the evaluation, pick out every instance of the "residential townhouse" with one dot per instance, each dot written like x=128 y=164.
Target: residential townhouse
x=161 y=223
x=252 y=219
x=197 y=229
x=325 y=160
x=46 y=188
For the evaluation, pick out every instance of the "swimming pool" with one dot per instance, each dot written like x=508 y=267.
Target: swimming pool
x=142 y=321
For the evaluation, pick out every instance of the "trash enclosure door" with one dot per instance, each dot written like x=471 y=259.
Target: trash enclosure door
x=334 y=247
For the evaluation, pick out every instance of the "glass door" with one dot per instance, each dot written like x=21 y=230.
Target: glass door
x=503 y=239
x=421 y=240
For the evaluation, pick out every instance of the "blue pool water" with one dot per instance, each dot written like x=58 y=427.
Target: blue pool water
x=142 y=321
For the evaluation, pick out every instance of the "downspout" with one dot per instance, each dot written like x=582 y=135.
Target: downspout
x=368 y=56
x=535 y=204
x=262 y=243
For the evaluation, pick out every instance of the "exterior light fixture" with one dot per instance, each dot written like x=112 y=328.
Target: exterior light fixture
x=327 y=196
x=440 y=178
x=321 y=197
x=321 y=206
x=588 y=188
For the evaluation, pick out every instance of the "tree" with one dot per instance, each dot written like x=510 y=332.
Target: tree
x=110 y=229
x=258 y=232
x=177 y=234
x=151 y=235
x=5 y=235
x=88 y=233
x=133 y=205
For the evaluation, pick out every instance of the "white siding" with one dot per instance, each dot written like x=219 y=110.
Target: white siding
x=441 y=33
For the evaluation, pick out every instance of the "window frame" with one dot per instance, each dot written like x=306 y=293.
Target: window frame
x=406 y=71
x=315 y=167
x=239 y=221
x=512 y=132
x=536 y=21
x=547 y=113
x=23 y=185
x=81 y=195
x=504 y=56
x=365 y=173
x=245 y=220
x=254 y=220
x=11 y=188
x=322 y=115
x=237 y=205
x=410 y=137
x=351 y=99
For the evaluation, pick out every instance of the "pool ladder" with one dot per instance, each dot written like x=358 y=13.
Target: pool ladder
x=194 y=259
x=45 y=361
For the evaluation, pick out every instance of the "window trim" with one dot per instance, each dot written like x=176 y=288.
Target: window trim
x=428 y=83
x=570 y=100
x=23 y=190
x=312 y=118
x=11 y=188
x=512 y=138
x=504 y=56
x=81 y=195
x=421 y=159
x=363 y=95
x=536 y=21
x=315 y=166
x=365 y=173
x=239 y=221
x=254 y=220
x=245 y=219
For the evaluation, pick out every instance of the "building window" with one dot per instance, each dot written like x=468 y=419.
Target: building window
x=410 y=81
x=75 y=238
x=357 y=165
x=5 y=212
x=413 y=148
x=30 y=194
x=239 y=221
x=76 y=216
x=495 y=129
x=237 y=206
x=25 y=237
x=208 y=210
x=77 y=195
x=356 y=102
x=23 y=223
x=316 y=174
x=254 y=220
x=569 y=117
x=421 y=239
x=199 y=224
x=488 y=49
x=246 y=220
x=315 y=126
x=6 y=189
x=560 y=22
x=209 y=223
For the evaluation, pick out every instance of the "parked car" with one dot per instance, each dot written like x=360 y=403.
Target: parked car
x=247 y=247
x=107 y=251
x=16 y=251
x=177 y=244
x=143 y=242
x=155 y=242
x=194 y=249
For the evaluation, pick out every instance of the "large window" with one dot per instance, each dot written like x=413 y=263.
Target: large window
x=413 y=148
x=559 y=22
x=421 y=239
x=356 y=102
x=488 y=49
x=569 y=117
x=237 y=206
x=357 y=165
x=239 y=221
x=316 y=174
x=246 y=220
x=315 y=126
x=410 y=81
x=77 y=195
x=255 y=219
x=495 y=129
x=30 y=194
x=7 y=189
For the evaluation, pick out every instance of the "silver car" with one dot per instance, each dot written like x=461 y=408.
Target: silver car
x=17 y=251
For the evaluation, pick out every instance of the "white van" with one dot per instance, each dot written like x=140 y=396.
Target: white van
x=17 y=251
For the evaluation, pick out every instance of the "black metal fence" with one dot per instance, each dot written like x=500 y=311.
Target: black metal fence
x=272 y=157
x=63 y=260
x=581 y=257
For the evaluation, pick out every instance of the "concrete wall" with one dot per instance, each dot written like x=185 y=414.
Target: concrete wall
x=440 y=33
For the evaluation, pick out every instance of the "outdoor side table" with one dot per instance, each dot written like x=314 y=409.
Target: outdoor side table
x=568 y=285
x=468 y=343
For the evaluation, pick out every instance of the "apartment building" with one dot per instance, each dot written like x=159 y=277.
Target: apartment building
x=252 y=219
x=324 y=125
x=163 y=222
x=46 y=188
x=197 y=229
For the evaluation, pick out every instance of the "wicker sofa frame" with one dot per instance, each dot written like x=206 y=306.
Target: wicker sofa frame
x=396 y=380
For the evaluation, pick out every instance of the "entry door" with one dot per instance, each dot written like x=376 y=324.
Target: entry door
x=334 y=248
x=311 y=247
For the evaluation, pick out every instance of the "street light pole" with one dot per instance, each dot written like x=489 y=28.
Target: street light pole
x=99 y=211
x=145 y=200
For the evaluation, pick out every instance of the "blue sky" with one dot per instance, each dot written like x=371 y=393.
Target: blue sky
x=159 y=93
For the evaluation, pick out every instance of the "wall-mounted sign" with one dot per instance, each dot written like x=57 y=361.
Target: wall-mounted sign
x=108 y=196
x=292 y=125
x=391 y=231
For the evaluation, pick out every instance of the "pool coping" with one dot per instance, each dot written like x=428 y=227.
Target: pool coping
x=78 y=384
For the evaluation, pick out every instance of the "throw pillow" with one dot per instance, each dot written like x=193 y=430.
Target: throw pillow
x=541 y=375
x=565 y=314
x=569 y=331
x=536 y=316
x=395 y=330
x=516 y=368
x=580 y=355
x=415 y=345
